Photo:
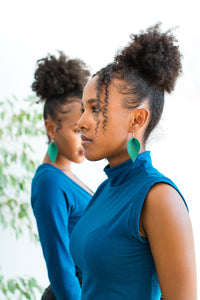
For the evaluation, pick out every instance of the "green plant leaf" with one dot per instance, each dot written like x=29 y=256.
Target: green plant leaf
x=11 y=286
x=3 y=180
x=19 y=128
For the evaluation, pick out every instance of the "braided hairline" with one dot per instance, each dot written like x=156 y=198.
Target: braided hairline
x=104 y=78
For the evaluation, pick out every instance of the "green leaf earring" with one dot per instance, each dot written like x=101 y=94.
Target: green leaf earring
x=133 y=148
x=52 y=151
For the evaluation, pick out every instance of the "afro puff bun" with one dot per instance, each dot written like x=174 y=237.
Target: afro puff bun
x=154 y=56
x=57 y=77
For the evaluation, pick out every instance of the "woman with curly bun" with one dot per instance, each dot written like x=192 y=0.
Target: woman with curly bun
x=135 y=238
x=58 y=197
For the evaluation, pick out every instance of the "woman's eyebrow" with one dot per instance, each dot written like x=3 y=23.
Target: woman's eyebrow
x=91 y=101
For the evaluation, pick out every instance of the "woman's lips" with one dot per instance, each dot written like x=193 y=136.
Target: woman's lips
x=85 y=140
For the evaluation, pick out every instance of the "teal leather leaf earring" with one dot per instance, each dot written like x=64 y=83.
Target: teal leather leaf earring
x=133 y=148
x=52 y=151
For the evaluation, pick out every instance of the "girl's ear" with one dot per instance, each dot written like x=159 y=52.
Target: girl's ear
x=139 y=119
x=50 y=128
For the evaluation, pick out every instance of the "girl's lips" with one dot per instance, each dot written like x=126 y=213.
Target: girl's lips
x=81 y=152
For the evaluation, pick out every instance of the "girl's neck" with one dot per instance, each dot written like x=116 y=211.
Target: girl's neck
x=64 y=165
x=66 y=168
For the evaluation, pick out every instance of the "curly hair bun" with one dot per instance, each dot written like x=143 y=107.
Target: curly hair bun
x=154 y=56
x=56 y=77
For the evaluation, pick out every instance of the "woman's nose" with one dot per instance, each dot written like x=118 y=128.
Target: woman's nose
x=81 y=123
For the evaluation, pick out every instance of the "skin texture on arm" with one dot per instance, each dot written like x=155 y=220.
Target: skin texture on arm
x=165 y=222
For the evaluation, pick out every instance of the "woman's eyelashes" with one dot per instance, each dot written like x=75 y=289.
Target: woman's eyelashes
x=96 y=109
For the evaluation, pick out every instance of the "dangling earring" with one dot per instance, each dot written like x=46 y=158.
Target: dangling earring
x=52 y=151
x=133 y=148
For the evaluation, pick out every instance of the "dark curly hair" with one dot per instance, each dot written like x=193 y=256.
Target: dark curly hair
x=57 y=80
x=147 y=68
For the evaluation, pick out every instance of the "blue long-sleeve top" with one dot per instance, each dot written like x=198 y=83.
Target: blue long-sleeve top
x=58 y=203
x=116 y=262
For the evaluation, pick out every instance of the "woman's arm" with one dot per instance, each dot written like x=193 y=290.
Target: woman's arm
x=165 y=222
x=51 y=211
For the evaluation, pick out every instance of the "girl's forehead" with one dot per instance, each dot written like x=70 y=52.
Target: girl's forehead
x=73 y=104
x=69 y=109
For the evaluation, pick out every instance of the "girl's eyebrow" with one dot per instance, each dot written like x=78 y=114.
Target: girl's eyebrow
x=66 y=111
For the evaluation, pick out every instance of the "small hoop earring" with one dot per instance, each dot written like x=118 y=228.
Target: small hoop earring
x=52 y=151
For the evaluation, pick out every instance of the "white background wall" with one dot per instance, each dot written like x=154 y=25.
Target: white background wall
x=94 y=30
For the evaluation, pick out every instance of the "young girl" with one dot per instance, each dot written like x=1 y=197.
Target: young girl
x=58 y=197
x=135 y=239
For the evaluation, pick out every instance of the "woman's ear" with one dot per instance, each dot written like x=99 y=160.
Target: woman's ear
x=139 y=119
x=50 y=128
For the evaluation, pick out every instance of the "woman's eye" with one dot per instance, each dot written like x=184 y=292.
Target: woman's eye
x=95 y=109
x=77 y=131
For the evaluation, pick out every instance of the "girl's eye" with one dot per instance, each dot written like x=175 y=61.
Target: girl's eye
x=77 y=131
x=82 y=108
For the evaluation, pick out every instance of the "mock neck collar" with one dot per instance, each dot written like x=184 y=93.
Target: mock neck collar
x=120 y=174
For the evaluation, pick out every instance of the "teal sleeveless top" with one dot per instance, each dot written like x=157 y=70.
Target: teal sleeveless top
x=116 y=262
